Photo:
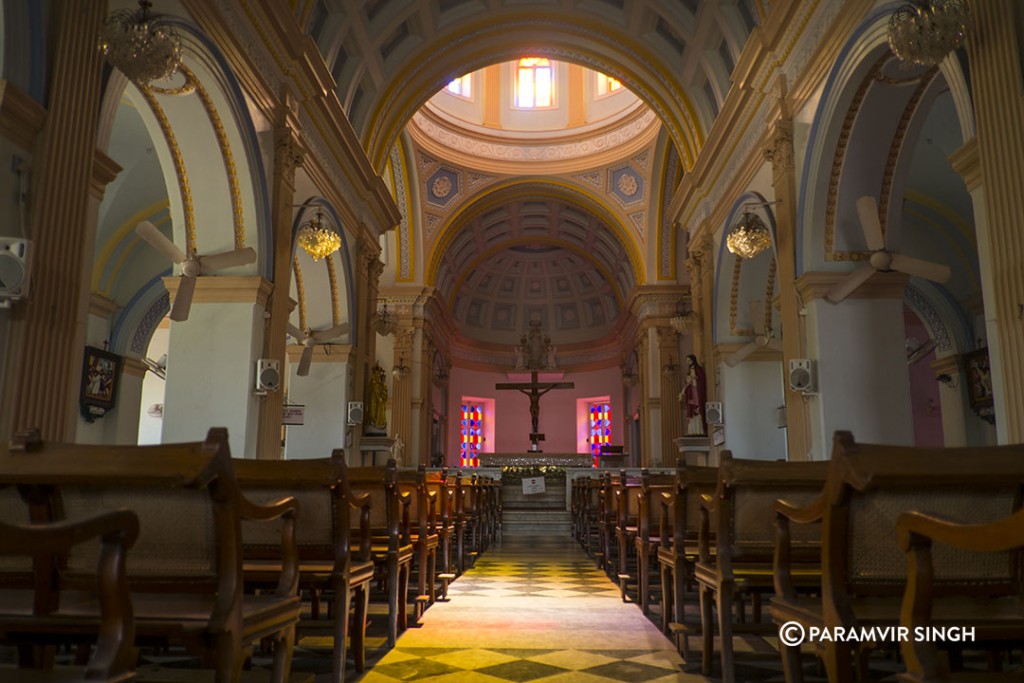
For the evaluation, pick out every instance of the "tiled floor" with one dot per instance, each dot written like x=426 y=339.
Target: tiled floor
x=532 y=609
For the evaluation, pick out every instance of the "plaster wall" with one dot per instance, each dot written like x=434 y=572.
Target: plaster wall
x=751 y=430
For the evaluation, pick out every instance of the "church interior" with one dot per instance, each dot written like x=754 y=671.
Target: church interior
x=466 y=295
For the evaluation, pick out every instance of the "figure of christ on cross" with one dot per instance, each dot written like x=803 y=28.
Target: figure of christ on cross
x=534 y=389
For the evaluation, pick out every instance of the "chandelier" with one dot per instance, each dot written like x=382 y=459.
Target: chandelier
x=316 y=239
x=923 y=32
x=143 y=46
x=749 y=238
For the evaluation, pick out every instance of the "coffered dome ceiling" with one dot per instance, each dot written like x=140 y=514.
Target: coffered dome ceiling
x=535 y=259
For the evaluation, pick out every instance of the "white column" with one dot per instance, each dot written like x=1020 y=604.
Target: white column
x=324 y=393
x=859 y=350
x=211 y=362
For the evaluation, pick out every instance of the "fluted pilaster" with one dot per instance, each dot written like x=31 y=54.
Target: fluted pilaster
x=993 y=49
x=671 y=384
x=401 y=392
x=52 y=330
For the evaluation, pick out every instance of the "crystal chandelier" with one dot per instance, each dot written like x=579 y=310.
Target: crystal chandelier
x=923 y=32
x=749 y=238
x=143 y=46
x=316 y=239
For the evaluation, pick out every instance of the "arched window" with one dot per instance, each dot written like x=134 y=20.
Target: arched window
x=534 y=83
x=600 y=427
x=462 y=86
x=472 y=435
x=607 y=84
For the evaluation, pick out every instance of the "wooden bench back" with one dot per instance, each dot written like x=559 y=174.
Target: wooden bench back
x=437 y=485
x=422 y=501
x=681 y=504
x=870 y=486
x=389 y=511
x=185 y=496
x=745 y=496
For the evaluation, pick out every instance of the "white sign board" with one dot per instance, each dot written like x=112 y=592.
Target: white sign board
x=534 y=485
x=293 y=415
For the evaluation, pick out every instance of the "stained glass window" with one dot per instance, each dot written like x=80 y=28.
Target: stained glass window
x=600 y=427
x=472 y=434
x=534 y=83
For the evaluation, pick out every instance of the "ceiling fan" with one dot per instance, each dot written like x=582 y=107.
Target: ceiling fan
x=881 y=258
x=310 y=338
x=192 y=266
x=764 y=338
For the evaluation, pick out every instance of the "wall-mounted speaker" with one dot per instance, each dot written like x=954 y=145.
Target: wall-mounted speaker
x=14 y=271
x=713 y=413
x=801 y=375
x=355 y=412
x=268 y=374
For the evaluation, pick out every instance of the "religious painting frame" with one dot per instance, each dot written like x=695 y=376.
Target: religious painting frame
x=101 y=371
x=978 y=376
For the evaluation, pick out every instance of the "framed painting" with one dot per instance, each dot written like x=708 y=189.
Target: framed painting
x=100 y=373
x=979 y=379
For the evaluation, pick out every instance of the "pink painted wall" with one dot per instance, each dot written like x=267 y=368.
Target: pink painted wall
x=558 y=420
x=924 y=390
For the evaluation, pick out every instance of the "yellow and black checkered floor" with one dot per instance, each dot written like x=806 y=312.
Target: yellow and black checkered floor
x=532 y=609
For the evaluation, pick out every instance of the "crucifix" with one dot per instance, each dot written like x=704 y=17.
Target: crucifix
x=534 y=389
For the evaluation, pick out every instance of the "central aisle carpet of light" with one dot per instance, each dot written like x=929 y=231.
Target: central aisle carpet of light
x=533 y=608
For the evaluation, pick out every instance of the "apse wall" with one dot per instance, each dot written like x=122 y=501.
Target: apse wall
x=558 y=413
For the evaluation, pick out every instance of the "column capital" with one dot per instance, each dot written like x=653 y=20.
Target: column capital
x=104 y=170
x=881 y=285
x=780 y=146
x=967 y=162
x=288 y=154
x=101 y=307
x=235 y=289
x=134 y=367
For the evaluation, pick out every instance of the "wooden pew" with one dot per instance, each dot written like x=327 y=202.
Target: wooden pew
x=185 y=572
x=25 y=611
x=390 y=542
x=740 y=565
x=437 y=485
x=647 y=538
x=327 y=561
x=679 y=548
x=607 y=518
x=864 y=569
x=928 y=594
x=422 y=533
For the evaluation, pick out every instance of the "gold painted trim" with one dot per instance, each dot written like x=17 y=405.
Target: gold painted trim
x=410 y=207
x=300 y=289
x=117 y=237
x=332 y=275
x=179 y=168
x=229 y=289
x=225 y=151
x=536 y=188
x=881 y=285
x=101 y=307
x=339 y=353
x=21 y=117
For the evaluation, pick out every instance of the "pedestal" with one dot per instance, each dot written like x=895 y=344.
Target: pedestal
x=694 y=449
x=370 y=446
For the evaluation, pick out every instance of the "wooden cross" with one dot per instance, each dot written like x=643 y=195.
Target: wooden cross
x=534 y=389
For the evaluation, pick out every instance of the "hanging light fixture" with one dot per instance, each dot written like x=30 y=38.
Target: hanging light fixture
x=387 y=321
x=143 y=46
x=401 y=369
x=316 y=239
x=749 y=237
x=923 y=32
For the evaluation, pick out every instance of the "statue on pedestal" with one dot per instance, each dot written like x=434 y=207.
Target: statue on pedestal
x=693 y=397
x=377 y=402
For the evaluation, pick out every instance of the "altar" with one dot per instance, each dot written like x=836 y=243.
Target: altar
x=528 y=459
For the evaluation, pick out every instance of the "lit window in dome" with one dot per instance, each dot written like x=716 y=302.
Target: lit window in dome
x=607 y=84
x=534 y=83
x=462 y=86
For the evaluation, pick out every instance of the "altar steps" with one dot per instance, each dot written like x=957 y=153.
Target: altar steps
x=517 y=521
x=553 y=498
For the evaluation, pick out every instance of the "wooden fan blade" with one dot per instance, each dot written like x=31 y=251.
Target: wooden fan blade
x=757 y=316
x=183 y=298
x=331 y=332
x=929 y=270
x=304 y=361
x=740 y=355
x=228 y=259
x=847 y=285
x=156 y=239
x=296 y=332
x=867 y=211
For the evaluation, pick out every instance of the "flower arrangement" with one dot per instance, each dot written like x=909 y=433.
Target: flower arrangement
x=528 y=472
